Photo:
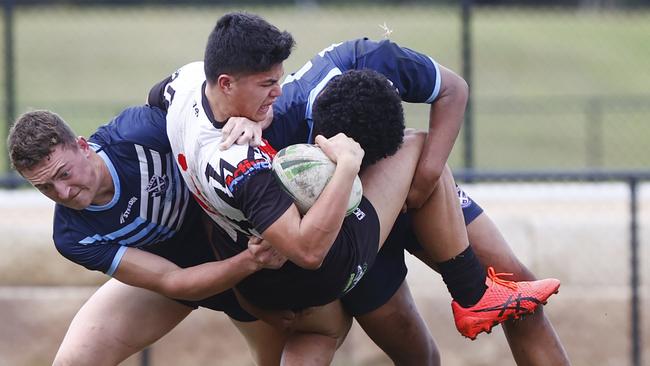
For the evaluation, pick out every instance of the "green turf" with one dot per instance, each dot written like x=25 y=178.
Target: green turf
x=535 y=71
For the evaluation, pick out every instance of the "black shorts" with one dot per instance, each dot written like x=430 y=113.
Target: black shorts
x=295 y=288
x=385 y=277
x=191 y=247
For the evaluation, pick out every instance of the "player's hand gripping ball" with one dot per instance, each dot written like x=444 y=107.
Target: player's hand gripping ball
x=303 y=171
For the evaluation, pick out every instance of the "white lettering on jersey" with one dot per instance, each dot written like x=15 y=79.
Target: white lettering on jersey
x=127 y=212
x=359 y=214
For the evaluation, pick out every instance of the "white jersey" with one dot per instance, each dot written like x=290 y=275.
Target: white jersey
x=211 y=174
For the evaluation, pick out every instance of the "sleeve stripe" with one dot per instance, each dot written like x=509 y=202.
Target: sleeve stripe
x=314 y=93
x=436 y=89
x=168 y=163
x=155 y=200
x=144 y=181
x=116 y=260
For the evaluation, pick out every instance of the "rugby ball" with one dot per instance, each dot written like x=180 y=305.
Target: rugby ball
x=303 y=171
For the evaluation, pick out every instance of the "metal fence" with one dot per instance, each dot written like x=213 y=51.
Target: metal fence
x=631 y=179
x=550 y=87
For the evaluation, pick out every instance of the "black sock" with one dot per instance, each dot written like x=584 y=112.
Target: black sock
x=464 y=276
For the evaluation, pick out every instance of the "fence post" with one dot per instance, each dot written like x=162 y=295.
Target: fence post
x=9 y=71
x=635 y=316
x=466 y=46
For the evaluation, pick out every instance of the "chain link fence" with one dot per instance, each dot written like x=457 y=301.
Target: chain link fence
x=561 y=88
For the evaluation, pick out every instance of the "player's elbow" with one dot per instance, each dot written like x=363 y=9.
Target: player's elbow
x=175 y=288
x=459 y=89
x=464 y=89
x=310 y=260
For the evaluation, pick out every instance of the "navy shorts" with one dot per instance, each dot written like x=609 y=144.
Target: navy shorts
x=191 y=247
x=385 y=277
x=295 y=288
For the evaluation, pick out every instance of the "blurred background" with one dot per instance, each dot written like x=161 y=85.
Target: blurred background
x=555 y=146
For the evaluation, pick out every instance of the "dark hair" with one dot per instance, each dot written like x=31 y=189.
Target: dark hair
x=34 y=136
x=365 y=106
x=242 y=44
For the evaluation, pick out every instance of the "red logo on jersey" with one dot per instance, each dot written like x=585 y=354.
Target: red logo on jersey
x=182 y=162
x=267 y=149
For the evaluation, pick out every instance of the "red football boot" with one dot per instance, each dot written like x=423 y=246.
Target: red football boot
x=502 y=300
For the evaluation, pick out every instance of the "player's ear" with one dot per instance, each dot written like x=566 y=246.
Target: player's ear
x=224 y=82
x=82 y=143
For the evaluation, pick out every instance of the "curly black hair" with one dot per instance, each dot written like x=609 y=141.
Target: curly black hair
x=364 y=105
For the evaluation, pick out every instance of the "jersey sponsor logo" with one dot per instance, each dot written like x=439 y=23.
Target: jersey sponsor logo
x=157 y=185
x=127 y=212
x=355 y=277
x=465 y=201
x=245 y=169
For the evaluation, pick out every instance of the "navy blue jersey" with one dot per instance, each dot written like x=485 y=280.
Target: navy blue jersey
x=150 y=200
x=414 y=75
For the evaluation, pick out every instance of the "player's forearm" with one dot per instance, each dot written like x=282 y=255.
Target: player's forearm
x=142 y=269
x=208 y=279
x=305 y=241
x=445 y=121
x=322 y=223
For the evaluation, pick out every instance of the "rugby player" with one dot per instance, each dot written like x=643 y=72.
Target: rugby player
x=352 y=105
x=123 y=209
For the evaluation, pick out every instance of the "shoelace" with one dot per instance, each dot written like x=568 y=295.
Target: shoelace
x=495 y=279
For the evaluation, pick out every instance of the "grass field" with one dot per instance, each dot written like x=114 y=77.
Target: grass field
x=542 y=79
